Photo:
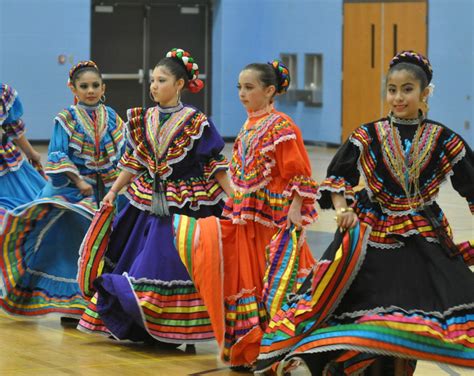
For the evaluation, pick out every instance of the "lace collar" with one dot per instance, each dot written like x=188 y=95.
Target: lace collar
x=170 y=110
x=87 y=107
x=396 y=120
x=264 y=111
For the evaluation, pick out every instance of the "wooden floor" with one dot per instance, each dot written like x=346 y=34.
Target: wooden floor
x=45 y=348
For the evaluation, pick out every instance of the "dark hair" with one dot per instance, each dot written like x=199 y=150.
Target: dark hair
x=417 y=72
x=80 y=71
x=175 y=67
x=273 y=73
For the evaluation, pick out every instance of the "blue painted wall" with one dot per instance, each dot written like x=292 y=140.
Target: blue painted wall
x=315 y=26
x=451 y=51
x=32 y=35
x=247 y=31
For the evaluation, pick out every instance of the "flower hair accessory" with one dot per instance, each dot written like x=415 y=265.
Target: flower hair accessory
x=192 y=69
x=79 y=66
x=283 y=75
x=431 y=88
x=413 y=58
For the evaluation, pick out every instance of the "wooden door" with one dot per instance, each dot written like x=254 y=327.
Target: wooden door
x=373 y=32
x=404 y=28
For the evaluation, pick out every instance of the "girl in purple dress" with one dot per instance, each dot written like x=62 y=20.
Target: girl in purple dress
x=173 y=165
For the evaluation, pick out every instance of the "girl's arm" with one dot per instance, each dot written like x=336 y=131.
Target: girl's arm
x=294 y=212
x=84 y=187
x=122 y=180
x=30 y=152
x=224 y=181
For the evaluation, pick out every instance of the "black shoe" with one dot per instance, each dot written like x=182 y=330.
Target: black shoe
x=190 y=349
x=69 y=321
x=162 y=345
x=242 y=369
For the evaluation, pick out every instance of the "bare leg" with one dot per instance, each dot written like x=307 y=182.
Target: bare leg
x=400 y=367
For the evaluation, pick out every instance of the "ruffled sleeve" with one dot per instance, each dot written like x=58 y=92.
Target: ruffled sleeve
x=14 y=128
x=208 y=152
x=129 y=161
x=343 y=174
x=58 y=159
x=11 y=111
x=294 y=166
x=461 y=158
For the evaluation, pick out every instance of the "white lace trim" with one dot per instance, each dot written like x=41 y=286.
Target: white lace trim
x=399 y=243
x=52 y=277
x=45 y=229
x=241 y=293
x=170 y=110
x=199 y=206
x=243 y=218
x=390 y=309
x=335 y=190
x=14 y=168
x=61 y=204
x=157 y=282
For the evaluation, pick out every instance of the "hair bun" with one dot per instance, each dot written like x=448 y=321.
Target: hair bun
x=192 y=69
x=413 y=57
x=283 y=75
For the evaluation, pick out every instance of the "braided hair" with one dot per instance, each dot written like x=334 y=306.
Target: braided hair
x=418 y=65
x=80 y=68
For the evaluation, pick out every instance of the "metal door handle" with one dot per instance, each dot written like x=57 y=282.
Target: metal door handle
x=124 y=76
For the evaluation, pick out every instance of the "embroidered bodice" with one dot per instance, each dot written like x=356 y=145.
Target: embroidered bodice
x=86 y=141
x=183 y=149
x=269 y=163
x=382 y=153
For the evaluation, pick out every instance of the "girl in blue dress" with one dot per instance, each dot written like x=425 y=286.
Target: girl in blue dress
x=41 y=239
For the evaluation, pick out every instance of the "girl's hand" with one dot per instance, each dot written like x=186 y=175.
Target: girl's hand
x=294 y=213
x=84 y=187
x=294 y=217
x=346 y=218
x=109 y=198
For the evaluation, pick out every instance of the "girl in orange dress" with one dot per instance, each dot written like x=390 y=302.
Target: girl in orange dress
x=273 y=190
